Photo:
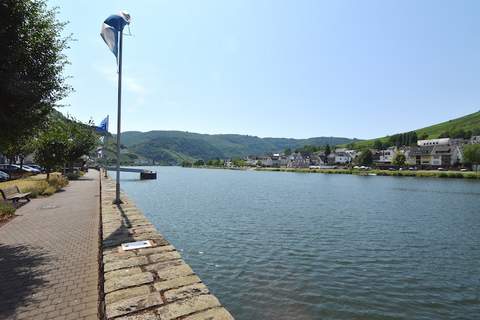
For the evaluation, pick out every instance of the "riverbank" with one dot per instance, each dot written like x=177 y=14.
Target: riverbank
x=375 y=172
x=396 y=173
x=148 y=283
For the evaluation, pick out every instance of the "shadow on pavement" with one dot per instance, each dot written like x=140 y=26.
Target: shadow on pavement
x=20 y=276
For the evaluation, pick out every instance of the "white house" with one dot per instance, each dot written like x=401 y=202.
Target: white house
x=436 y=152
x=342 y=157
x=387 y=156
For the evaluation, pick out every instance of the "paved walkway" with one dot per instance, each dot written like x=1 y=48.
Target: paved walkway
x=49 y=256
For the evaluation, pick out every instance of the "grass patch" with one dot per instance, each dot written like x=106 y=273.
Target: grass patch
x=38 y=185
x=404 y=173
x=6 y=210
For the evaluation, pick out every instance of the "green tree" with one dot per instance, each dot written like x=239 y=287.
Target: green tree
x=471 y=154
x=444 y=134
x=239 y=162
x=365 y=158
x=21 y=147
x=82 y=140
x=31 y=67
x=199 y=163
x=51 y=146
x=287 y=151
x=328 y=150
x=423 y=136
x=399 y=159
x=377 y=144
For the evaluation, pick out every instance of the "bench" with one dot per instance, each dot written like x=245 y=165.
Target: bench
x=13 y=193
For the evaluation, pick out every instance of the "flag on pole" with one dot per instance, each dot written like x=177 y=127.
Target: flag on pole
x=104 y=124
x=111 y=27
x=103 y=127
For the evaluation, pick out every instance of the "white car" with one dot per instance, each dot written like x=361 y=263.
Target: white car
x=23 y=168
x=31 y=169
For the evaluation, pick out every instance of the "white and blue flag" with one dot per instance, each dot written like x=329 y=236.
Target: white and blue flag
x=103 y=127
x=111 y=27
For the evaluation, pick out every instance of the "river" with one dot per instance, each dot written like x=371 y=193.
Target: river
x=274 y=245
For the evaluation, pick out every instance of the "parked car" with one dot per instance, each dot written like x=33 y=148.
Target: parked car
x=32 y=169
x=36 y=166
x=14 y=169
x=10 y=169
x=4 y=176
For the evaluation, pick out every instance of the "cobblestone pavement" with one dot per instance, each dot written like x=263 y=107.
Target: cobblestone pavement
x=49 y=256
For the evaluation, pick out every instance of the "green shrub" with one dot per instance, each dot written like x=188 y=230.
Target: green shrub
x=58 y=181
x=36 y=189
x=6 y=209
x=49 y=191
x=443 y=175
x=471 y=176
x=73 y=175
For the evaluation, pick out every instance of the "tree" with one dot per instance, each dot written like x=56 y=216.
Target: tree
x=327 y=150
x=471 y=154
x=288 y=151
x=399 y=159
x=423 y=136
x=444 y=134
x=377 y=144
x=82 y=140
x=239 y=162
x=365 y=158
x=51 y=146
x=199 y=163
x=31 y=67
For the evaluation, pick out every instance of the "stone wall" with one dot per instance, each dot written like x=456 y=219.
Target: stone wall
x=149 y=283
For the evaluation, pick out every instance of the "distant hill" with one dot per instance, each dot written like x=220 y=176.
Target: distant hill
x=469 y=122
x=172 y=147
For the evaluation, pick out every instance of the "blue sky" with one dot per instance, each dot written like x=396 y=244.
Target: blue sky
x=278 y=68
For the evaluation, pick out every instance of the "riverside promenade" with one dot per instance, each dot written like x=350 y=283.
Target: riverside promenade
x=49 y=256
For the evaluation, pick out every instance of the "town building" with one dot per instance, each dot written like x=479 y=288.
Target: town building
x=386 y=156
x=475 y=140
x=443 y=152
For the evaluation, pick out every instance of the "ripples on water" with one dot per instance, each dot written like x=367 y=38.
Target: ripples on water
x=276 y=245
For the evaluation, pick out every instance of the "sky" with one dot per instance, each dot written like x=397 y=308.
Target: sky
x=290 y=68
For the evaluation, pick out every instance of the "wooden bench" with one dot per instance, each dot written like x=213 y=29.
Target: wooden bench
x=13 y=193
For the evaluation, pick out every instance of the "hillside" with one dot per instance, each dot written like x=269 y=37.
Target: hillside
x=469 y=122
x=172 y=147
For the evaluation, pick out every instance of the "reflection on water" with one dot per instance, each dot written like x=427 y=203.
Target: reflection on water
x=276 y=245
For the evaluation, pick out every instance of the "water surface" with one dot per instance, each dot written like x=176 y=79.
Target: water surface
x=274 y=245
